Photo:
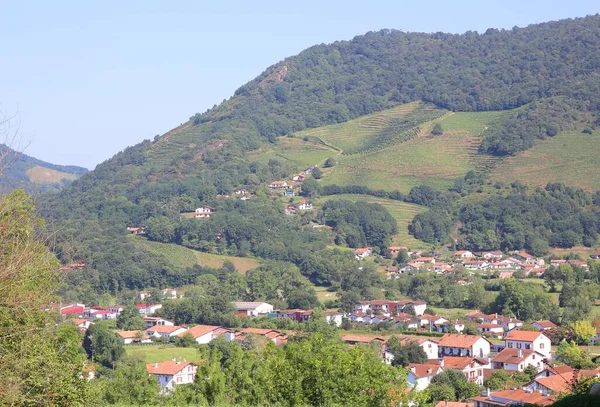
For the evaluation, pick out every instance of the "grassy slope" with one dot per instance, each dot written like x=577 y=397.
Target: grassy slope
x=401 y=211
x=182 y=256
x=572 y=158
x=42 y=175
x=161 y=353
x=435 y=161
x=295 y=151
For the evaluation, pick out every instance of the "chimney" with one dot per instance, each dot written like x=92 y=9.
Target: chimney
x=442 y=362
x=155 y=365
x=487 y=392
x=520 y=353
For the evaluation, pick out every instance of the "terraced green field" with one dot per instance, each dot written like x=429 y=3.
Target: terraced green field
x=572 y=158
x=376 y=131
x=296 y=151
x=184 y=257
x=401 y=211
x=435 y=161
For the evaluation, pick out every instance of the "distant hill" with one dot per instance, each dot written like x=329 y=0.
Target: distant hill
x=22 y=171
x=505 y=99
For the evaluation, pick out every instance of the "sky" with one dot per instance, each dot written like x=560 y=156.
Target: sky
x=83 y=80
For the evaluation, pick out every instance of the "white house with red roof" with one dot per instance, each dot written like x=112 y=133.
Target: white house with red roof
x=252 y=309
x=362 y=252
x=172 y=373
x=495 y=255
x=204 y=333
x=518 y=359
x=424 y=260
x=77 y=310
x=101 y=313
x=529 y=340
x=80 y=323
x=129 y=337
x=204 y=212
x=420 y=374
x=152 y=321
x=489 y=328
x=515 y=397
x=464 y=254
x=279 y=185
x=464 y=345
x=544 y=325
x=165 y=331
x=473 y=368
x=148 y=309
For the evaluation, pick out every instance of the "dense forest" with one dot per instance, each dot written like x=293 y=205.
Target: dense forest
x=555 y=216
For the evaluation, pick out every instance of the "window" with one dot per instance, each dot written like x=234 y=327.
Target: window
x=541 y=346
x=179 y=379
x=429 y=346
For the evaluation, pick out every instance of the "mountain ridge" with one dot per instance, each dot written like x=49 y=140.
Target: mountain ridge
x=20 y=170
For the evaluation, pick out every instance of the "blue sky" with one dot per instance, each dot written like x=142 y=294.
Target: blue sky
x=88 y=79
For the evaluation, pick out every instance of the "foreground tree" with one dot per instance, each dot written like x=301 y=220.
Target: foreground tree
x=130 y=385
x=405 y=354
x=102 y=345
x=130 y=319
x=40 y=363
x=452 y=385
x=582 y=332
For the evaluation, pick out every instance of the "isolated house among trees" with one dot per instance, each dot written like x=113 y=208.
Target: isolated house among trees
x=172 y=373
x=204 y=212
x=252 y=309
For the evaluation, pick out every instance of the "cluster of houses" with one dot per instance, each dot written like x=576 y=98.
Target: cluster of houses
x=496 y=262
x=95 y=312
x=475 y=357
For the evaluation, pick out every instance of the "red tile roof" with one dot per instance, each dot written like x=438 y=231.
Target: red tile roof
x=525 y=336
x=546 y=324
x=164 y=329
x=130 y=334
x=424 y=369
x=459 y=341
x=460 y=363
x=200 y=330
x=511 y=355
x=361 y=338
x=166 y=368
x=454 y=404
x=519 y=396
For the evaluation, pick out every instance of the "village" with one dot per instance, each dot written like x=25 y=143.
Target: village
x=498 y=342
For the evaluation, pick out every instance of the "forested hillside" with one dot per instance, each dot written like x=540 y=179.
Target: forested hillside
x=25 y=172
x=539 y=81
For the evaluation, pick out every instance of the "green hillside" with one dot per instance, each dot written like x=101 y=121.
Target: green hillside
x=371 y=103
x=183 y=257
x=22 y=171
x=401 y=211
x=425 y=159
x=572 y=158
